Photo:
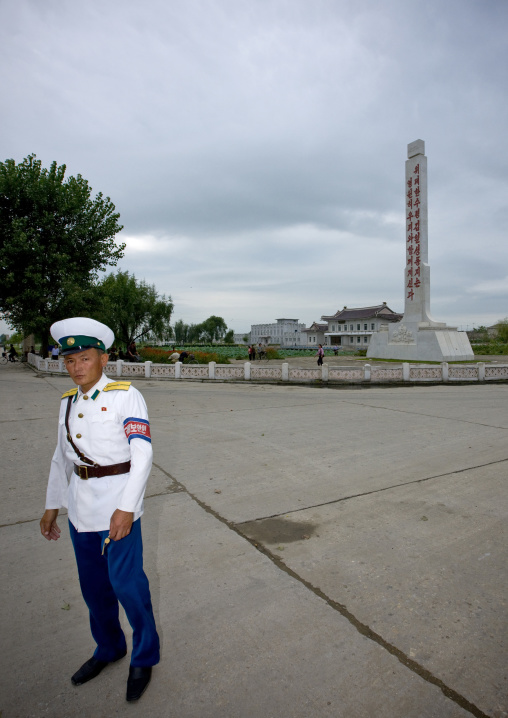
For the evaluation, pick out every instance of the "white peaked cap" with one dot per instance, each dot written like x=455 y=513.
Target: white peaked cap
x=80 y=333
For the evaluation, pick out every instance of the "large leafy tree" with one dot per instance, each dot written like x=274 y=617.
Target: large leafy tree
x=213 y=328
x=133 y=309
x=186 y=333
x=54 y=239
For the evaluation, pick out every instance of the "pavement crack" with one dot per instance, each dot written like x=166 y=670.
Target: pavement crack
x=340 y=608
x=419 y=413
x=375 y=491
x=367 y=632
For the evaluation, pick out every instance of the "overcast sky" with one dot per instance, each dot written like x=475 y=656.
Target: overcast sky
x=255 y=149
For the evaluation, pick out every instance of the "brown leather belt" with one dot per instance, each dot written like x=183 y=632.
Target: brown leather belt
x=97 y=472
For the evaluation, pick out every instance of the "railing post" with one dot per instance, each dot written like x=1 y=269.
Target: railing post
x=285 y=372
x=405 y=371
x=119 y=365
x=61 y=365
x=178 y=370
x=481 y=371
x=148 y=369
x=246 y=370
x=367 y=372
x=324 y=372
x=211 y=370
x=444 y=371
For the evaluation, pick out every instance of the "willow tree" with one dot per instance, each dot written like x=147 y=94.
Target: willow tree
x=133 y=309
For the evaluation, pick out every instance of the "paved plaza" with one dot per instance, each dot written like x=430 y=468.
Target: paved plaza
x=311 y=552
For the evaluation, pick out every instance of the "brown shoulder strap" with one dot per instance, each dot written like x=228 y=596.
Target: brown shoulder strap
x=80 y=454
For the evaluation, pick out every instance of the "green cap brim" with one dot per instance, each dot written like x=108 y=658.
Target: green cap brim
x=79 y=343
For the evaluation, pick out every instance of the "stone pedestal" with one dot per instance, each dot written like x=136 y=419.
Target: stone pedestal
x=418 y=336
x=413 y=340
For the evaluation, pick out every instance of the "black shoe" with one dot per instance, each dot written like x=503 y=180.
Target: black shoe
x=91 y=669
x=137 y=683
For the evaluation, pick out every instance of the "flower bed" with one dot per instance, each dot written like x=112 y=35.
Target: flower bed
x=162 y=356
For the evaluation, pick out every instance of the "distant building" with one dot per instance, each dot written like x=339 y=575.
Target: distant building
x=315 y=334
x=239 y=338
x=286 y=332
x=353 y=328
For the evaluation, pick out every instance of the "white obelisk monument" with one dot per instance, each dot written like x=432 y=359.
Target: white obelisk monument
x=417 y=335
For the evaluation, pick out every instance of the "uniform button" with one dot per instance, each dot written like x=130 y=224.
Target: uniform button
x=80 y=416
x=78 y=436
x=85 y=397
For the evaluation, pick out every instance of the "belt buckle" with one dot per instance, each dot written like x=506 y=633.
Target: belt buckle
x=82 y=475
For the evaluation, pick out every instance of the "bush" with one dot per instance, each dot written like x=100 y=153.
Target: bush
x=273 y=353
x=162 y=356
x=502 y=330
x=490 y=348
x=360 y=353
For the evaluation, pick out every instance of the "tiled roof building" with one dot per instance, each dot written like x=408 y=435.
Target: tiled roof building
x=352 y=327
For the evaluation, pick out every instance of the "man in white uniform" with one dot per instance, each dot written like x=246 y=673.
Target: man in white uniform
x=99 y=473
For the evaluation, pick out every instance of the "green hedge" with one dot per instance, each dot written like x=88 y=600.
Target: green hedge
x=490 y=348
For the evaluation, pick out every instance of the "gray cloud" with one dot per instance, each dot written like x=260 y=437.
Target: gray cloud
x=256 y=149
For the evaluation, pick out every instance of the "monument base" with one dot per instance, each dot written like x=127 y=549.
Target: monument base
x=420 y=341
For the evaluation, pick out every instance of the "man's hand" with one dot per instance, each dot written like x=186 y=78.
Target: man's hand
x=120 y=525
x=49 y=526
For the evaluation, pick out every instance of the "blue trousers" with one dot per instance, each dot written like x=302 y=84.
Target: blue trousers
x=105 y=579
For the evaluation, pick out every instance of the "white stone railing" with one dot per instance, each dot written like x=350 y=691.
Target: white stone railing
x=399 y=373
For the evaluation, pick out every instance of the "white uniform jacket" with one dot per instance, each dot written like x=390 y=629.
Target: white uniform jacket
x=109 y=425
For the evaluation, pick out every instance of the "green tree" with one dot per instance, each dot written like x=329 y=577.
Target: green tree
x=229 y=337
x=193 y=333
x=502 y=330
x=54 y=239
x=181 y=332
x=213 y=328
x=133 y=309
x=16 y=338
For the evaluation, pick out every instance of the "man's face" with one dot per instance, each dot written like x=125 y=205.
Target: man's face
x=85 y=368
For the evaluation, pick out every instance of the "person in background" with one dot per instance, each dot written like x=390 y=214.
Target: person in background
x=132 y=353
x=320 y=354
x=55 y=351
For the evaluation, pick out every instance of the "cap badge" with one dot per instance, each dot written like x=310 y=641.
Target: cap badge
x=71 y=341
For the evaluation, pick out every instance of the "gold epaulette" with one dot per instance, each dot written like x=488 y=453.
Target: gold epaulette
x=123 y=385
x=71 y=392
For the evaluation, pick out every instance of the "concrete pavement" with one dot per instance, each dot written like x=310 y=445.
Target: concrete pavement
x=311 y=552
